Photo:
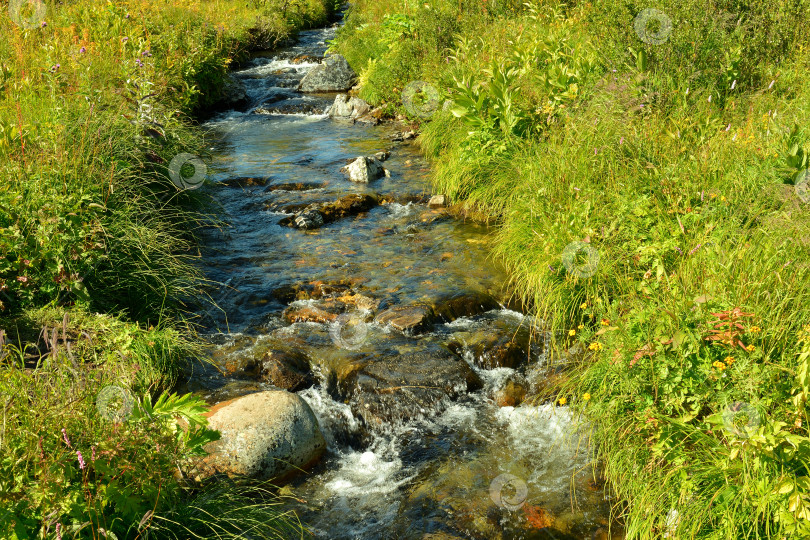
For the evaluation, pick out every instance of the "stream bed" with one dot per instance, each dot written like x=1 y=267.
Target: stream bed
x=428 y=435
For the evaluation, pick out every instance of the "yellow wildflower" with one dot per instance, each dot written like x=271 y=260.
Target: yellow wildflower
x=561 y=401
x=583 y=305
x=605 y=322
x=750 y=348
x=595 y=346
x=586 y=396
x=723 y=198
x=572 y=332
x=719 y=365
x=755 y=329
x=728 y=360
x=581 y=326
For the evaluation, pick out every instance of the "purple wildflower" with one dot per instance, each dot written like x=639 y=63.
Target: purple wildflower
x=44 y=24
x=126 y=16
x=81 y=459
x=621 y=140
x=64 y=436
x=138 y=62
x=146 y=53
x=58 y=531
x=55 y=68
x=594 y=151
x=82 y=50
x=728 y=127
x=124 y=39
x=697 y=247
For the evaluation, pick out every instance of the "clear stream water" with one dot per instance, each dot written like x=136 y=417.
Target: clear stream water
x=439 y=472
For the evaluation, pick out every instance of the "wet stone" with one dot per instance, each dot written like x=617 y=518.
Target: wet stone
x=512 y=391
x=315 y=216
x=466 y=304
x=246 y=181
x=288 y=370
x=404 y=386
x=496 y=341
x=411 y=319
x=308 y=313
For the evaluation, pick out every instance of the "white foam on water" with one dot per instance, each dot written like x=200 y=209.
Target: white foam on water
x=550 y=439
x=398 y=210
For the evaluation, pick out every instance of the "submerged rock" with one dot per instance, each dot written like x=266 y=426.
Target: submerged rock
x=269 y=435
x=333 y=75
x=246 y=181
x=512 y=391
x=404 y=386
x=315 y=216
x=411 y=319
x=308 y=313
x=287 y=369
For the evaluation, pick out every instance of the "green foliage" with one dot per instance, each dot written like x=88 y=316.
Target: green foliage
x=669 y=161
x=97 y=264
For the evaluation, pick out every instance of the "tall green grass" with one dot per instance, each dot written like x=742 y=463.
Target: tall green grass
x=674 y=163
x=98 y=273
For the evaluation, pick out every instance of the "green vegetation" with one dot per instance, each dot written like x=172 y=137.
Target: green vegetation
x=678 y=164
x=97 y=274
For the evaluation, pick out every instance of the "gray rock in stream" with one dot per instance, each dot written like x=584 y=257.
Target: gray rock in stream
x=314 y=216
x=364 y=169
x=348 y=107
x=269 y=435
x=404 y=386
x=333 y=75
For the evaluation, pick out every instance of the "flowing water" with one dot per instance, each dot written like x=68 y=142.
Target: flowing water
x=452 y=464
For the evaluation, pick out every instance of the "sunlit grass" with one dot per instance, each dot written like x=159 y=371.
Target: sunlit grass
x=673 y=163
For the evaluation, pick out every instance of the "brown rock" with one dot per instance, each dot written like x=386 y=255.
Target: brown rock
x=511 y=393
x=288 y=370
x=307 y=313
x=466 y=304
x=411 y=319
